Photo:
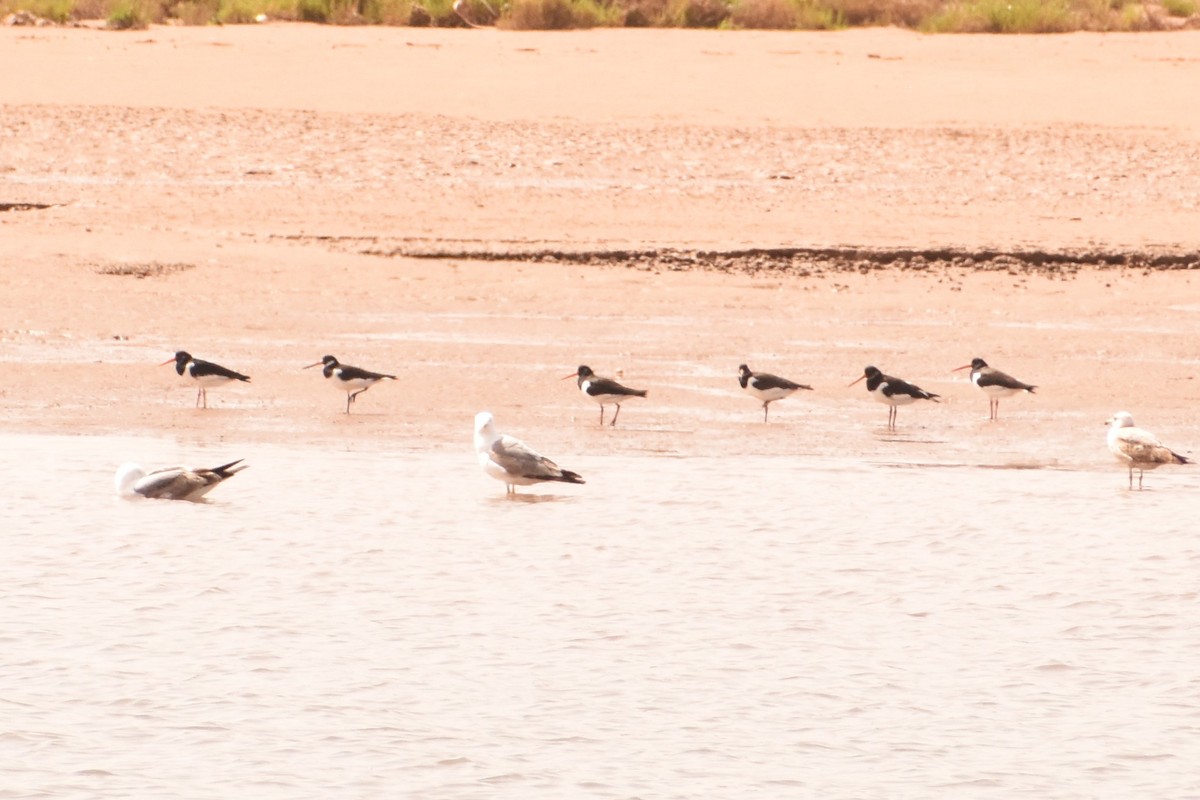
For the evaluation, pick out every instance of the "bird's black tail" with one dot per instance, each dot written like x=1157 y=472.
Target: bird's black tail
x=224 y=470
x=570 y=477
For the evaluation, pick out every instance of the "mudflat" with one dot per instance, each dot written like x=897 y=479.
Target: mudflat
x=479 y=212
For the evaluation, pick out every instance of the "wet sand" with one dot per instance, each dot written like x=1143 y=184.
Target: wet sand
x=263 y=196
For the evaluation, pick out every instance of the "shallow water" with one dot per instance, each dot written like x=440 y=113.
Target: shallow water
x=345 y=623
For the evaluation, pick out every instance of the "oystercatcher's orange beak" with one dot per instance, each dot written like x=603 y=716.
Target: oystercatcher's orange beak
x=310 y=366
x=170 y=360
x=572 y=375
x=956 y=369
x=856 y=380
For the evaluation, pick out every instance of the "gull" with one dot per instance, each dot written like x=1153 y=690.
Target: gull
x=511 y=460
x=173 y=483
x=892 y=391
x=603 y=390
x=1137 y=448
x=352 y=380
x=204 y=373
x=767 y=387
x=994 y=383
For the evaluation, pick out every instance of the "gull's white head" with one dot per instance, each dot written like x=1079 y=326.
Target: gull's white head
x=485 y=431
x=127 y=476
x=1121 y=419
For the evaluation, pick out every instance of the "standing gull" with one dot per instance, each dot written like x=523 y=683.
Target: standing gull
x=204 y=373
x=511 y=460
x=766 y=387
x=892 y=391
x=352 y=380
x=1138 y=449
x=603 y=390
x=994 y=383
x=173 y=483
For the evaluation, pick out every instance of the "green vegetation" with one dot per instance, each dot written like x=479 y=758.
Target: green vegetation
x=550 y=15
x=931 y=16
x=54 y=10
x=1003 y=16
x=129 y=15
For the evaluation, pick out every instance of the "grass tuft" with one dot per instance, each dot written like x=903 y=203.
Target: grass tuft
x=129 y=15
x=336 y=12
x=1003 y=16
x=59 y=11
x=558 y=15
x=645 y=14
x=764 y=15
x=704 y=13
x=196 y=12
x=905 y=13
x=783 y=15
x=388 y=12
x=931 y=16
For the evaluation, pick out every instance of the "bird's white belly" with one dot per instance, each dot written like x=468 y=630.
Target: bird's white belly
x=494 y=470
x=894 y=400
x=212 y=380
x=769 y=395
x=351 y=384
x=604 y=399
x=999 y=391
x=1119 y=454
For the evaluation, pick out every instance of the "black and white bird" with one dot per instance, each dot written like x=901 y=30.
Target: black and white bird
x=1137 y=448
x=604 y=391
x=173 y=483
x=204 y=373
x=767 y=387
x=893 y=391
x=511 y=460
x=351 y=380
x=994 y=383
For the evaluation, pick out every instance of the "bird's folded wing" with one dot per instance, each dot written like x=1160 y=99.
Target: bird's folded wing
x=1136 y=437
x=607 y=386
x=517 y=459
x=173 y=482
x=359 y=374
x=1142 y=445
x=203 y=368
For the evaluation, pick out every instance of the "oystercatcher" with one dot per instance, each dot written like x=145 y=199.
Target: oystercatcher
x=352 y=380
x=893 y=391
x=994 y=383
x=1138 y=449
x=173 y=483
x=767 y=387
x=511 y=460
x=204 y=373
x=603 y=391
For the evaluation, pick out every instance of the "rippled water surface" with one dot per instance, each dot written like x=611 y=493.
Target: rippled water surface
x=374 y=624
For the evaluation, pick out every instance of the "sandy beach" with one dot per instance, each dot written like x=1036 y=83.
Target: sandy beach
x=812 y=607
x=261 y=196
